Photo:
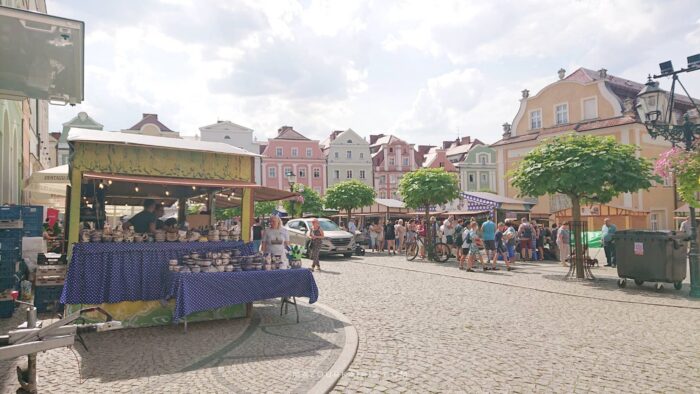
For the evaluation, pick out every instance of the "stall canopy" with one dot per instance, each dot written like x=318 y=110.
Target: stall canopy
x=51 y=181
x=381 y=207
x=594 y=215
x=482 y=201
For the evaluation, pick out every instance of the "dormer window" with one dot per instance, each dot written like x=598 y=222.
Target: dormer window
x=535 y=119
x=228 y=137
x=562 y=114
x=349 y=141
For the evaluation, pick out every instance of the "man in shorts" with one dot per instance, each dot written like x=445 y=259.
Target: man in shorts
x=488 y=231
x=509 y=238
x=501 y=249
x=448 y=230
x=525 y=234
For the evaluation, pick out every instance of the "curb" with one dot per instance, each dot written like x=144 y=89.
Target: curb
x=347 y=355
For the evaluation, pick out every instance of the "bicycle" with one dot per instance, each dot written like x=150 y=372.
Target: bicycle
x=437 y=251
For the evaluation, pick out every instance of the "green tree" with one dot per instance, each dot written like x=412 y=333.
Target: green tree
x=265 y=208
x=312 y=202
x=349 y=195
x=587 y=169
x=428 y=186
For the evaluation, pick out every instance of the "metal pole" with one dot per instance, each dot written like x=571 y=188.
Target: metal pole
x=693 y=259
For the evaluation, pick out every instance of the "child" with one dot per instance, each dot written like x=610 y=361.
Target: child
x=473 y=249
x=501 y=247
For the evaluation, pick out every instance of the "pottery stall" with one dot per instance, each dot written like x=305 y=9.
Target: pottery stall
x=173 y=274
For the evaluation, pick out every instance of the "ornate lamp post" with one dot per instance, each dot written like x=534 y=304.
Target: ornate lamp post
x=292 y=180
x=655 y=108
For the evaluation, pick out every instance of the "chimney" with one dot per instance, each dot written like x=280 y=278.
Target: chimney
x=155 y=116
x=603 y=73
x=374 y=137
x=283 y=129
x=465 y=140
x=526 y=93
x=562 y=73
x=446 y=144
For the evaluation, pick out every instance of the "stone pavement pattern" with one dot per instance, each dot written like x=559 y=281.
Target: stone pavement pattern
x=436 y=330
x=264 y=353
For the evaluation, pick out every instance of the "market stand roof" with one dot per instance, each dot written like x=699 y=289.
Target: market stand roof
x=108 y=137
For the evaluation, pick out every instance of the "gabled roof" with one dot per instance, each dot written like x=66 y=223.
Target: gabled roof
x=434 y=156
x=225 y=125
x=387 y=139
x=150 y=119
x=288 y=133
x=81 y=120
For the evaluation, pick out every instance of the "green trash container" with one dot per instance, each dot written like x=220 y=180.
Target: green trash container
x=651 y=256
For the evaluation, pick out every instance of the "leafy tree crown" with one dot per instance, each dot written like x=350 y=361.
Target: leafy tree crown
x=428 y=186
x=349 y=195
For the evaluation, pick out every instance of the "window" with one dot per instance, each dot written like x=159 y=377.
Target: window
x=442 y=164
x=471 y=178
x=483 y=159
x=391 y=150
x=302 y=173
x=654 y=221
x=382 y=194
x=590 y=108
x=309 y=152
x=317 y=172
x=391 y=161
x=382 y=179
x=484 y=178
x=362 y=174
x=271 y=172
x=228 y=137
x=287 y=170
x=362 y=155
x=337 y=174
x=392 y=178
x=405 y=161
x=535 y=119
x=348 y=154
x=293 y=224
x=278 y=152
x=562 y=114
x=349 y=141
x=349 y=174
x=318 y=190
x=295 y=152
x=336 y=155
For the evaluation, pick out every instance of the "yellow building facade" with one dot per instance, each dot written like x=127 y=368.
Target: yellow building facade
x=591 y=103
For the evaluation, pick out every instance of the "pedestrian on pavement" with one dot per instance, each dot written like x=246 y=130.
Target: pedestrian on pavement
x=275 y=239
x=608 y=231
x=500 y=248
x=390 y=237
x=525 y=234
x=423 y=232
x=256 y=232
x=473 y=241
x=539 y=242
x=352 y=228
x=449 y=231
x=488 y=231
x=373 y=234
x=380 y=236
x=316 y=236
x=563 y=239
x=685 y=227
x=510 y=238
x=459 y=229
x=553 y=241
x=466 y=243
x=400 y=231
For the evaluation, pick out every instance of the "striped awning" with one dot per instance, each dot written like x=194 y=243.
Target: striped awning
x=475 y=203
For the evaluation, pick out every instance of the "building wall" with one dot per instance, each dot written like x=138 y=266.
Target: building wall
x=349 y=168
x=388 y=175
x=477 y=172
x=239 y=138
x=302 y=165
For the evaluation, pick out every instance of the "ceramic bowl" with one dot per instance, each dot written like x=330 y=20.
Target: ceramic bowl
x=195 y=269
x=173 y=262
x=228 y=268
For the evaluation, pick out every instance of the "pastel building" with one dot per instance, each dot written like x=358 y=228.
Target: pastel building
x=587 y=102
x=391 y=158
x=150 y=125
x=476 y=163
x=290 y=151
x=347 y=157
x=236 y=135
x=81 y=121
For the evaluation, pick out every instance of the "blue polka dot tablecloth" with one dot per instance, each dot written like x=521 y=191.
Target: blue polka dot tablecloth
x=194 y=292
x=115 y=272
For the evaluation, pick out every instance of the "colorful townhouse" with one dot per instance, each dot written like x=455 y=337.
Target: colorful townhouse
x=291 y=152
x=347 y=157
x=392 y=157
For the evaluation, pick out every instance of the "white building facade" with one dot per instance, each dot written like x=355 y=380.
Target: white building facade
x=236 y=135
x=348 y=158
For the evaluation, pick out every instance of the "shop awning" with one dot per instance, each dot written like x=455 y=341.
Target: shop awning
x=51 y=181
x=155 y=180
x=483 y=201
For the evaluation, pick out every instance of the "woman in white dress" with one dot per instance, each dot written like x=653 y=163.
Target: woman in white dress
x=275 y=239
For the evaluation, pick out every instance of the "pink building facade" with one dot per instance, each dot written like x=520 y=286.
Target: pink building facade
x=291 y=151
x=391 y=158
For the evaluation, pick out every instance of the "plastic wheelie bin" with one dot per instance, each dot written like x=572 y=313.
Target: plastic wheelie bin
x=651 y=256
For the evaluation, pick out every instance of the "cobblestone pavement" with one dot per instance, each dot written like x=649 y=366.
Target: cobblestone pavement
x=266 y=353
x=426 y=327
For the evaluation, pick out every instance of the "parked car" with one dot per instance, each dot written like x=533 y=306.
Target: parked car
x=335 y=241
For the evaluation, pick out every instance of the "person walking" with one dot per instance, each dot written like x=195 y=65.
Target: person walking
x=473 y=241
x=390 y=237
x=400 y=231
x=539 y=243
x=488 y=232
x=608 y=231
x=563 y=239
x=373 y=236
x=380 y=236
x=525 y=234
x=459 y=229
x=510 y=238
x=448 y=231
x=316 y=236
x=256 y=233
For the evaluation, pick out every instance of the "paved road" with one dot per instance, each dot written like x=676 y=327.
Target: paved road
x=431 y=328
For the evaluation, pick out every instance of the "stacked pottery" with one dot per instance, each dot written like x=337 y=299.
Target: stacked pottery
x=159 y=236
x=95 y=236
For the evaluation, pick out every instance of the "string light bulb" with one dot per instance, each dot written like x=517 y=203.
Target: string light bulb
x=136 y=188
x=101 y=185
x=167 y=192
x=194 y=187
x=109 y=181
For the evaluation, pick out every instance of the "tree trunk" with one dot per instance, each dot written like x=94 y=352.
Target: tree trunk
x=578 y=244
x=347 y=222
x=429 y=230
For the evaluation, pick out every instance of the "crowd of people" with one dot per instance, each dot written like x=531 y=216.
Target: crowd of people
x=485 y=243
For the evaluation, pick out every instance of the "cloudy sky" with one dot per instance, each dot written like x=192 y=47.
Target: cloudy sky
x=424 y=70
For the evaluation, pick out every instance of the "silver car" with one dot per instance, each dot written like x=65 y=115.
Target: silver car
x=335 y=241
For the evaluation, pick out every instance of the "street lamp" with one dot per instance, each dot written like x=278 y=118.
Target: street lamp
x=292 y=180
x=655 y=108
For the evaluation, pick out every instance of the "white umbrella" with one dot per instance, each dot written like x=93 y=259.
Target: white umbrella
x=52 y=181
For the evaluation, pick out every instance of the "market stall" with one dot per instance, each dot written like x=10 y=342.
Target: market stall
x=128 y=273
